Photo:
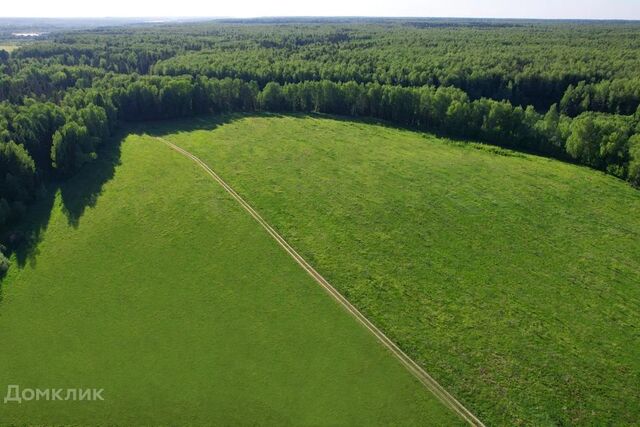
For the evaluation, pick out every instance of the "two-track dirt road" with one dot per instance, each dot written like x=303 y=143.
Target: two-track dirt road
x=430 y=383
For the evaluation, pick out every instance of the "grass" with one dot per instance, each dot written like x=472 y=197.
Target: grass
x=148 y=281
x=513 y=279
x=8 y=47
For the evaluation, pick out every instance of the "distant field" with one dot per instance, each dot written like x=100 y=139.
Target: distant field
x=8 y=47
x=513 y=279
x=150 y=282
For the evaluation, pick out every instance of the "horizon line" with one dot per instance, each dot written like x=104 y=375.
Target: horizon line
x=213 y=18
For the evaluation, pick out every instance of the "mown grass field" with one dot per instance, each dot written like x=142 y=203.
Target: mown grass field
x=150 y=282
x=513 y=279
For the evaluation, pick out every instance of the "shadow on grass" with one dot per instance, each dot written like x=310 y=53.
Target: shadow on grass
x=211 y=122
x=23 y=237
x=83 y=190
x=208 y=122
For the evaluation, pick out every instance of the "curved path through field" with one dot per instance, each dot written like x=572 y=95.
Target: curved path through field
x=409 y=363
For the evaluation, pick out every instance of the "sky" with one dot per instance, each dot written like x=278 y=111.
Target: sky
x=559 y=9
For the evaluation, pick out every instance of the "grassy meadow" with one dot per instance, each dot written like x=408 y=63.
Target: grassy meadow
x=513 y=279
x=150 y=282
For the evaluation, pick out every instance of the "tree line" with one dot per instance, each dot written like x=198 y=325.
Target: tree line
x=43 y=140
x=525 y=87
x=524 y=63
x=621 y=96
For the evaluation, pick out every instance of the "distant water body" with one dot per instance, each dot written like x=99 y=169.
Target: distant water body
x=26 y=34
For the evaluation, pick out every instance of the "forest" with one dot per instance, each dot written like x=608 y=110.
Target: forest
x=565 y=90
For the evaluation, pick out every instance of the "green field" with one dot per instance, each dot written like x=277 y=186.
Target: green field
x=150 y=282
x=513 y=279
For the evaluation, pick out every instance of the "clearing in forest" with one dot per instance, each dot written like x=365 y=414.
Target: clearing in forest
x=513 y=279
x=147 y=280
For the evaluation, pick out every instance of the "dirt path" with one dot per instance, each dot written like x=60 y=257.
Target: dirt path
x=412 y=366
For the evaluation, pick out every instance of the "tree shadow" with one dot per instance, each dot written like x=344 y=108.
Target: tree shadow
x=204 y=122
x=83 y=189
x=22 y=238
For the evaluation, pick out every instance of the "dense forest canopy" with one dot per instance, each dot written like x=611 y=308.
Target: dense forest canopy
x=569 y=90
x=523 y=63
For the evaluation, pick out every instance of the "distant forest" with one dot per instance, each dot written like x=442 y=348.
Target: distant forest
x=568 y=90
